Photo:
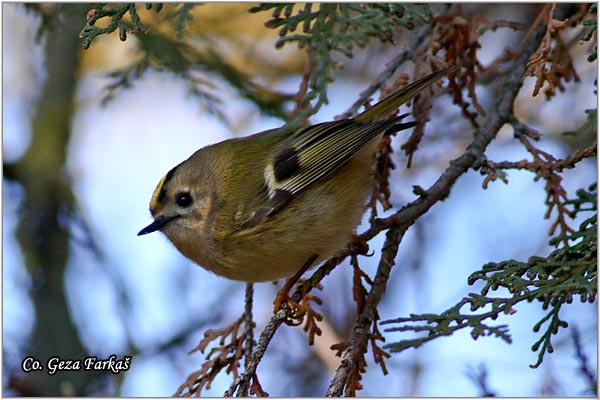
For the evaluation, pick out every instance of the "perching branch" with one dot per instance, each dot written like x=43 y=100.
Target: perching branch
x=249 y=322
x=399 y=222
x=240 y=385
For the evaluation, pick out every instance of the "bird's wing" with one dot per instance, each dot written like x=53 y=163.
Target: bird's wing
x=313 y=153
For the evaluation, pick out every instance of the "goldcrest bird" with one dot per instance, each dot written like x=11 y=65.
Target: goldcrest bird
x=258 y=208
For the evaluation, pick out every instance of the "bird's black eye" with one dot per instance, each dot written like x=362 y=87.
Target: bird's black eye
x=183 y=199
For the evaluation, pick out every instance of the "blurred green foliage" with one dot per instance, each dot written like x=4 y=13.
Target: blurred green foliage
x=552 y=281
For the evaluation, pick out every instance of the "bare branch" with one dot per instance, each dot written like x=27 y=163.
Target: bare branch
x=249 y=322
x=389 y=70
x=404 y=218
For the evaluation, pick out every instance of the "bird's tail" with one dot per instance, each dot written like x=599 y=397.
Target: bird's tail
x=392 y=102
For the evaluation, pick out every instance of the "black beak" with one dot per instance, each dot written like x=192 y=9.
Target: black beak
x=157 y=224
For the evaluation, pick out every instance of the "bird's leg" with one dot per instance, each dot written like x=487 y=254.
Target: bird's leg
x=359 y=246
x=283 y=294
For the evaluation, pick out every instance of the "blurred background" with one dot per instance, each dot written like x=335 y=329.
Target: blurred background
x=79 y=173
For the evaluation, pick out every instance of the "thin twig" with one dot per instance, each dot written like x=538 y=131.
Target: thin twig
x=241 y=384
x=249 y=322
x=479 y=376
x=555 y=165
x=389 y=70
x=405 y=217
x=300 y=103
x=584 y=368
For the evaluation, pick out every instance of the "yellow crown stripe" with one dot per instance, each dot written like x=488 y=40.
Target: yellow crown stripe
x=156 y=194
x=160 y=190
